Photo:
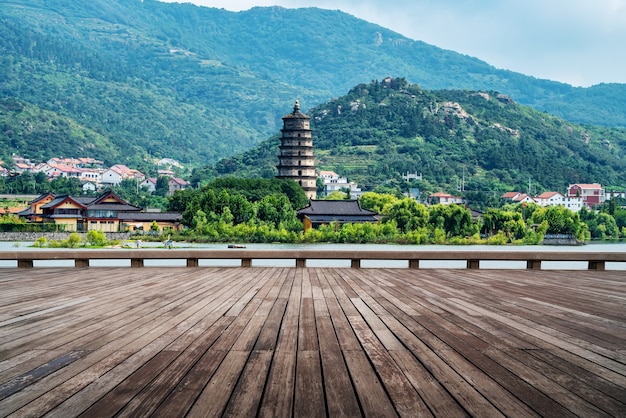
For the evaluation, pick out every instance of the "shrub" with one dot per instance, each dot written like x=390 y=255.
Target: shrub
x=73 y=240
x=40 y=242
x=96 y=238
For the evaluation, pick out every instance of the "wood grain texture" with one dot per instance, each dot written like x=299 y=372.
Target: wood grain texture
x=312 y=342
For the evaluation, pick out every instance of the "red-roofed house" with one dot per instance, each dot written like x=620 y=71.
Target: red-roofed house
x=446 y=199
x=557 y=199
x=510 y=195
x=592 y=194
x=114 y=175
x=149 y=183
x=177 y=184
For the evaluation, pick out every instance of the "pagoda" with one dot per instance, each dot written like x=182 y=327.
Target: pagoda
x=296 y=160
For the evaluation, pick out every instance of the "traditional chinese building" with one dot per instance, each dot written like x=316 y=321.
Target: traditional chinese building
x=107 y=212
x=324 y=212
x=296 y=160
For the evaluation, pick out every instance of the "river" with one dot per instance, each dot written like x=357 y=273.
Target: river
x=594 y=247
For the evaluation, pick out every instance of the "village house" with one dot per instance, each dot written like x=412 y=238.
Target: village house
x=557 y=199
x=175 y=184
x=114 y=175
x=334 y=183
x=324 y=212
x=149 y=183
x=517 y=197
x=107 y=212
x=592 y=194
x=445 y=199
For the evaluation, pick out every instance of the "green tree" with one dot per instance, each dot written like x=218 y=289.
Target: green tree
x=407 y=214
x=560 y=220
x=376 y=201
x=162 y=187
x=456 y=220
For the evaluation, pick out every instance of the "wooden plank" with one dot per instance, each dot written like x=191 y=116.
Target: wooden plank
x=213 y=399
x=309 y=391
x=371 y=394
x=280 y=386
x=246 y=396
x=340 y=396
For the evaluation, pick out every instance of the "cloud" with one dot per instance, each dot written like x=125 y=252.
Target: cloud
x=580 y=42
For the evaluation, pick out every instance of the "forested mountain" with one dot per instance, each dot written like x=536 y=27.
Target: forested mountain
x=383 y=129
x=139 y=77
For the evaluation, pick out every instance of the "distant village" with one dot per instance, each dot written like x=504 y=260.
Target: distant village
x=103 y=210
x=93 y=175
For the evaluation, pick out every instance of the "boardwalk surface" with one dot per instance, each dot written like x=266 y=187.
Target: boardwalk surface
x=279 y=342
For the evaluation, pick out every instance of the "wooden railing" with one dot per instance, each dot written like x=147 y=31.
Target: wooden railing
x=533 y=259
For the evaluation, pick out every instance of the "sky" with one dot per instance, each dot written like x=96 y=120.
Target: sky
x=579 y=42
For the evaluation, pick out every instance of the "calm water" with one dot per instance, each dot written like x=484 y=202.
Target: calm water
x=595 y=247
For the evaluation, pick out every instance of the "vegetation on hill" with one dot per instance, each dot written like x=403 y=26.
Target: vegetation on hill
x=142 y=77
x=482 y=141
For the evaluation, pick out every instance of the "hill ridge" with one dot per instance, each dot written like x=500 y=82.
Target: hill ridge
x=199 y=84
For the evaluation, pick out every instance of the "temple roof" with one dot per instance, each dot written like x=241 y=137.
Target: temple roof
x=335 y=208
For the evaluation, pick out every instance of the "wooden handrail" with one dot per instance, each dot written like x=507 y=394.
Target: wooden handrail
x=596 y=260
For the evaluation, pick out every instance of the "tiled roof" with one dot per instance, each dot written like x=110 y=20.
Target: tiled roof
x=548 y=195
x=335 y=207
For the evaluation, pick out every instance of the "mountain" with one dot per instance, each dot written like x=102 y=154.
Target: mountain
x=482 y=140
x=199 y=84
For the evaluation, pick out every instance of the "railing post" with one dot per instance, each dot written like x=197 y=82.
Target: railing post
x=473 y=264
x=533 y=264
x=25 y=264
x=81 y=262
x=414 y=264
x=246 y=262
x=192 y=262
x=300 y=262
x=596 y=265
x=355 y=263
x=136 y=262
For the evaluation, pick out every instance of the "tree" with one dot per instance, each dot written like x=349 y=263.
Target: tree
x=376 y=201
x=456 y=220
x=560 y=221
x=162 y=187
x=407 y=214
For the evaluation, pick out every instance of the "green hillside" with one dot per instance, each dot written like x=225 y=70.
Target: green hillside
x=383 y=129
x=199 y=84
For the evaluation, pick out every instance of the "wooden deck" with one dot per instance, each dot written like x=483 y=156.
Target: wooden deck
x=279 y=342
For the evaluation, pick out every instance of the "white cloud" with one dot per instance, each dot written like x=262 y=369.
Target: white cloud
x=581 y=42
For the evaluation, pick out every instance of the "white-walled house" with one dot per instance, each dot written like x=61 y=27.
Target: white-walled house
x=149 y=183
x=114 y=175
x=111 y=177
x=89 y=186
x=572 y=203
x=333 y=183
x=446 y=199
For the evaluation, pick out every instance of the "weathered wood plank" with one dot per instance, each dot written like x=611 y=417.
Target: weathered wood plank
x=312 y=341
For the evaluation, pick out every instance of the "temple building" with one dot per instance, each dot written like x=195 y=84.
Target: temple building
x=296 y=160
